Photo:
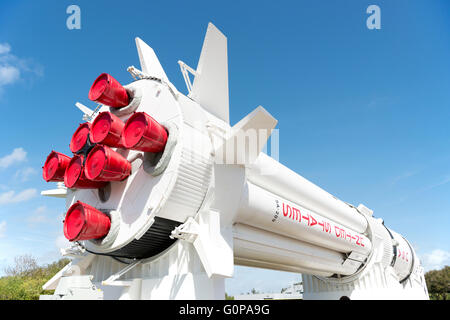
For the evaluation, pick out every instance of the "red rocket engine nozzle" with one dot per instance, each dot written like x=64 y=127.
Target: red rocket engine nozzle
x=107 y=130
x=84 y=222
x=104 y=164
x=55 y=167
x=74 y=176
x=108 y=91
x=80 y=139
x=143 y=133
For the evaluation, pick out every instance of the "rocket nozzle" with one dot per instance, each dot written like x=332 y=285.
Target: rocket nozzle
x=108 y=91
x=74 y=176
x=107 y=130
x=55 y=166
x=84 y=222
x=142 y=132
x=104 y=164
x=80 y=139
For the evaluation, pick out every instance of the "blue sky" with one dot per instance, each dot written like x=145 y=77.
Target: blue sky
x=362 y=113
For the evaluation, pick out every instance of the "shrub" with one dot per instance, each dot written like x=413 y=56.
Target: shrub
x=25 y=279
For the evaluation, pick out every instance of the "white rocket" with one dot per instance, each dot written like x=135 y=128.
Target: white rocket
x=164 y=198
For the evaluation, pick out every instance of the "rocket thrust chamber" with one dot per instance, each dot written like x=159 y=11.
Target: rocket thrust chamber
x=55 y=166
x=142 y=132
x=107 y=90
x=107 y=129
x=84 y=222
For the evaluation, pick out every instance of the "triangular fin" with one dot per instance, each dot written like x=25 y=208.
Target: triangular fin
x=210 y=87
x=149 y=61
x=247 y=138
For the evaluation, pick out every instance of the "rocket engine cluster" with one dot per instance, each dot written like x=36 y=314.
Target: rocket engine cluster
x=95 y=161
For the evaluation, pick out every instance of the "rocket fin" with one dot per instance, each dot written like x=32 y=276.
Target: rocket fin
x=57 y=193
x=88 y=112
x=210 y=87
x=149 y=61
x=214 y=251
x=247 y=138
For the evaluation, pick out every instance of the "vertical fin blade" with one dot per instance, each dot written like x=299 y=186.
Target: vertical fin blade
x=247 y=138
x=88 y=112
x=210 y=88
x=149 y=61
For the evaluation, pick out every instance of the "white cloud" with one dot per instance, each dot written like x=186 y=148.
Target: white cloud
x=61 y=242
x=40 y=209
x=403 y=176
x=18 y=155
x=4 y=48
x=38 y=216
x=24 y=174
x=12 y=68
x=445 y=179
x=8 y=74
x=2 y=229
x=11 y=196
x=436 y=260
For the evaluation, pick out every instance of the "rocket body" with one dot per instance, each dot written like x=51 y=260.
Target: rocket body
x=199 y=196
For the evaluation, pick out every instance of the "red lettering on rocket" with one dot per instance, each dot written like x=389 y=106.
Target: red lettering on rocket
x=285 y=210
x=295 y=214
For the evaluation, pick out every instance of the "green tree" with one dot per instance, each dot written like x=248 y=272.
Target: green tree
x=23 y=266
x=24 y=279
x=438 y=283
x=227 y=297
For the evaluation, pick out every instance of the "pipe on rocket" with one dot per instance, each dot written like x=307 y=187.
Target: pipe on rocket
x=262 y=209
x=271 y=175
x=254 y=247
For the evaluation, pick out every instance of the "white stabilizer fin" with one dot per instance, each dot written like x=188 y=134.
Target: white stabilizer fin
x=149 y=61
x=214 y=251
x=77 y=266
x=60 y=192
x=56 y=193
x=88 y=112
x=247 y=138
x=210 y=87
